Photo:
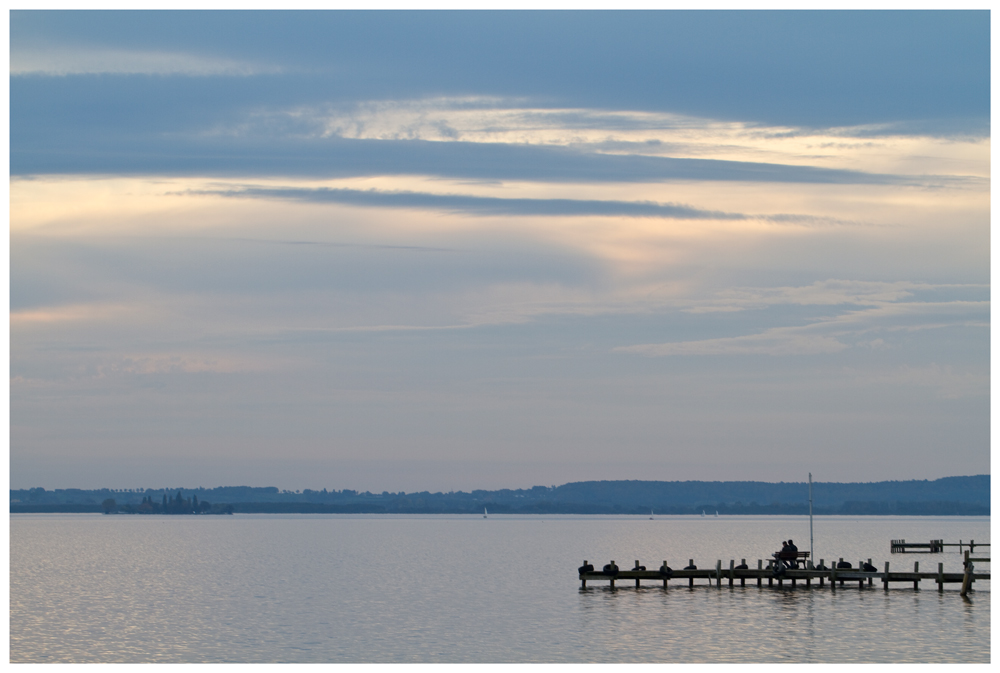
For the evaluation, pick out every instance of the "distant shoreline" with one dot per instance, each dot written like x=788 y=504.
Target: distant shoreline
x=949 y=496
x=305 y=508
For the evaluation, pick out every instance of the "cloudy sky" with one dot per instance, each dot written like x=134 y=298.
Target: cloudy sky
x=448 y=251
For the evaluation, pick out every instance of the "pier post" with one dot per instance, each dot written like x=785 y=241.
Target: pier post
x=718 y=574
x=691 y=579
x=613 y=577
x=583 y=583
x=760 y=563
x=885 y=577
x=822 y=563
x=665 y=579
x=732 y=563
x=916 y=569
x=967 y=580
x=743 y=580
x=637 y=579
x=940 y=579
x=833 y=577
x=870 y=579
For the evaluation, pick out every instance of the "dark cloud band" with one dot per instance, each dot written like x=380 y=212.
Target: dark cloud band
x=57 y=153
x=482 y=205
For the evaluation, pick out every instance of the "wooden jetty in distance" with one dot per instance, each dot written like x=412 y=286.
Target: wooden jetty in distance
x=932 y=547
x=808 y=575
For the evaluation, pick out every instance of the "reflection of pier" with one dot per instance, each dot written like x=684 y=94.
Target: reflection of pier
x=807 y=575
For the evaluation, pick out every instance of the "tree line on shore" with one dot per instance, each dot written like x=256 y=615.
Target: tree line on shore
x=168 y=505
x=946 y=496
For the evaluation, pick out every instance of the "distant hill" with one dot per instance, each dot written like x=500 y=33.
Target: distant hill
x=946 y=496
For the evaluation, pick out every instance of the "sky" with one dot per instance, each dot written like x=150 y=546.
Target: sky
x=459 y=250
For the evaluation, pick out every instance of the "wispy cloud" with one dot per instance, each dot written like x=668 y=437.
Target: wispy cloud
x=105 y=151
x=776 y=341
x=480 y=205
x=493 y=206
x=821 y=293
x=60 y=61
x=831 y=334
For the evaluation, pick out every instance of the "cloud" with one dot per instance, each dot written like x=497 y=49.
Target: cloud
x=480 y=205
x=53 y=60
x=494 y=206
x=827 y=335
x=777 y=341
x=821 y=69
x=828 y=292
x=106 y=151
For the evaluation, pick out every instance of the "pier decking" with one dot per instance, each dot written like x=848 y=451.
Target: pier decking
x=845 y=576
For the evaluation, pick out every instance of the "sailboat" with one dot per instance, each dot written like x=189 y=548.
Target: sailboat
x=716 y=514
x=650 y=515
x=484 y=512
x=703 y=512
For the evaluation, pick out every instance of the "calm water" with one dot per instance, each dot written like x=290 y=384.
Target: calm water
x=328 y=588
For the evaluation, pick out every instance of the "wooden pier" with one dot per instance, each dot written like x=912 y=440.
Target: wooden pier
x=764 y=571
x=932 y=547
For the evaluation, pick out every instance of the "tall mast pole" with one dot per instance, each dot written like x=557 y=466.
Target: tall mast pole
x=811 y=554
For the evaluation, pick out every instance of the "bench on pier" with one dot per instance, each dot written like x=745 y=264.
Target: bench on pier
x=791 y=558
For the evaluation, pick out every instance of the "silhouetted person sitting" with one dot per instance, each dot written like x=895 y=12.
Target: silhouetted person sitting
x=786 y=557
x=793 y=553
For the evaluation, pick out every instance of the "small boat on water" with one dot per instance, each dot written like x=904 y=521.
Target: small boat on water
x=716 y=514
x=703 y=512
x=650 y=515
x=484 y=512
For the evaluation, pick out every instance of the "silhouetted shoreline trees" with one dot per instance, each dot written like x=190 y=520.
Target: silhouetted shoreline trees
x=168 y=505
x=949 y=496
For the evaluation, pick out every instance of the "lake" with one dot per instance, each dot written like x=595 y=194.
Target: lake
x=439 y=588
